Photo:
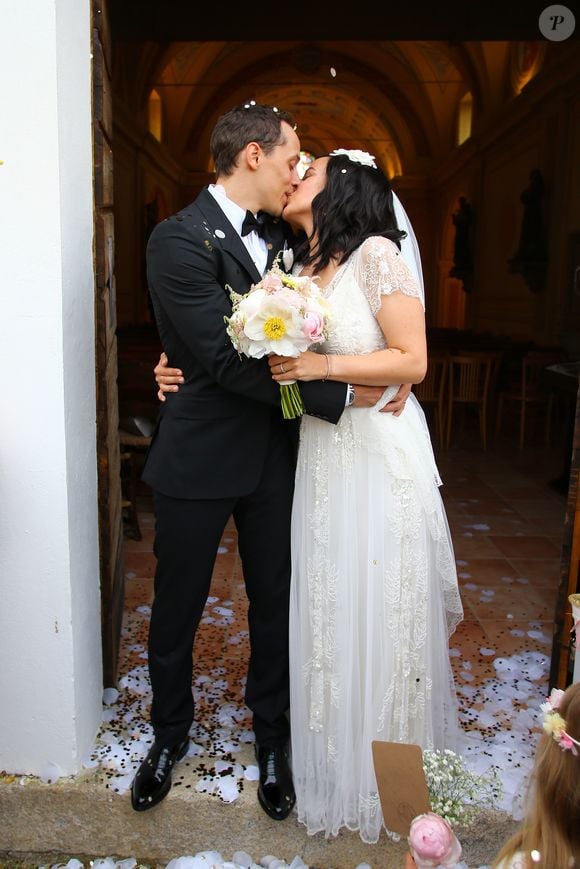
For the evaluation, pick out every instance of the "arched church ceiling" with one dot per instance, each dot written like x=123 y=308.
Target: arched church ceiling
x=203 y=72
x=403 y=95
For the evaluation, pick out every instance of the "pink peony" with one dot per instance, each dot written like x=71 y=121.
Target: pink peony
x=433 y=843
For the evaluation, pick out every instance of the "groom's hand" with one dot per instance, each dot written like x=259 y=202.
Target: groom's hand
x=367 y=396
x=397 y=404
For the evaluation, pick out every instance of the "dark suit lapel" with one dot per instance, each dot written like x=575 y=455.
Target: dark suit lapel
x=224 y=233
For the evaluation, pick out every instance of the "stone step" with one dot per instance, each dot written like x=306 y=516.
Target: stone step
x=82 y=817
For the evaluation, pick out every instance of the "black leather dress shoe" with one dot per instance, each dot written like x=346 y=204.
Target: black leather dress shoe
x=275 y=789
x=153 y=779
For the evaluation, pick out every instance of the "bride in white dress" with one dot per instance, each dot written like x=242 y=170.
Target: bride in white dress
x=374 y=594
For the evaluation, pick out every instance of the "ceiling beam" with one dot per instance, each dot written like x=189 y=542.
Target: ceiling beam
x=449 y=20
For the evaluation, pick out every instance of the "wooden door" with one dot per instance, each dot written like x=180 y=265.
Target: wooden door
x=109 y=477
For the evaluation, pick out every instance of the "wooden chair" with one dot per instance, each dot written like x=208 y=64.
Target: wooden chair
x=527 y=392
x=431 y=392
x=470 y=376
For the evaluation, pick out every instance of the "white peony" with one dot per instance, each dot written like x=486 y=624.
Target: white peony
x=275 y=328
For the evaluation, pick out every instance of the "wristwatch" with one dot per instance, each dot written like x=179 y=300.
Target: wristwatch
x=350 y=394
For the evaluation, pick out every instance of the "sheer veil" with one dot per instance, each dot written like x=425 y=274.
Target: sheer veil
x=409 y=246
x=412 y=256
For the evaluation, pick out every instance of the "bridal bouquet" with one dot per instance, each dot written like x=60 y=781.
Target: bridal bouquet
x=280 y=314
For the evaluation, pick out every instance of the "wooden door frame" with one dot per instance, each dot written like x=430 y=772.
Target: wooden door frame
x=108 y=453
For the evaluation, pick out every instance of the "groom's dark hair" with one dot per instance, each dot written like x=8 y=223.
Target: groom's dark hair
x=355 y=204
x=248 y=122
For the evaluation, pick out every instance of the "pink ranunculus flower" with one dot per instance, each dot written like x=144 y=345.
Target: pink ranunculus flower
x=313 y=326
x=433 y=843
x=271 y=283
x=567 y=743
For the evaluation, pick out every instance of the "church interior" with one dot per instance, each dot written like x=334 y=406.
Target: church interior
x=479 y=139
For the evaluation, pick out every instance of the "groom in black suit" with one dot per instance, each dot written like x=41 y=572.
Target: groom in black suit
x=222 y=447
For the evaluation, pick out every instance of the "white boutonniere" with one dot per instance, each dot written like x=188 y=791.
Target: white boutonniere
x=287 y=257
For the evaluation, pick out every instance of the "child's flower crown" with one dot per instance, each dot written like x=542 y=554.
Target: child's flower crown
x=555 y=725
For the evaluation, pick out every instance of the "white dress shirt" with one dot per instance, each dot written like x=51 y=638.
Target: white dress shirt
x=255 y=244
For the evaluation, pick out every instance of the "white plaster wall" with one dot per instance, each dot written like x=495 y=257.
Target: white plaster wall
x=50 y=653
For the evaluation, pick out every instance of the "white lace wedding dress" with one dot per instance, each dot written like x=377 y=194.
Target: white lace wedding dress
x=374 y=589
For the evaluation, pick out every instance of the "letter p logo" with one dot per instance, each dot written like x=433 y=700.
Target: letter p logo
x=557 y=23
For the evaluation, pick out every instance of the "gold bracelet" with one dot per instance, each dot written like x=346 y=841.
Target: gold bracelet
x=328 y=371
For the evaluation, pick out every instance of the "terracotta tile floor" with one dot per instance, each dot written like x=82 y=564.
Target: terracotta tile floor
x=507 y=524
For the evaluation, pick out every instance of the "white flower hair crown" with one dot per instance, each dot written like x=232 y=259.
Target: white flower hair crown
x=555 y=725
x=362 y=157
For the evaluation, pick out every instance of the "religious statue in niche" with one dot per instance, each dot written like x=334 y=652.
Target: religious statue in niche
x=462 y=268
x=531 y=258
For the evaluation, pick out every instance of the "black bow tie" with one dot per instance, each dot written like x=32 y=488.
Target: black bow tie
x=253 y=224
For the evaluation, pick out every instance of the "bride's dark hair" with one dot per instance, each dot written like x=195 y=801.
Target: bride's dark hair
x=356 y=203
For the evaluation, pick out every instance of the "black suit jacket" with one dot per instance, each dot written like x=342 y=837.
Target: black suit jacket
x=212 y=435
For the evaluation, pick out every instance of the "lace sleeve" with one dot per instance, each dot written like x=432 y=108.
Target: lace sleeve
x=381 y=270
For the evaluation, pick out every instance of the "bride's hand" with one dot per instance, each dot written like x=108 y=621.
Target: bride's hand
x=167 y=378
x=306 y=366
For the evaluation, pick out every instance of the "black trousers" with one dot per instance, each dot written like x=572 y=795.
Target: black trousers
x=187 y=535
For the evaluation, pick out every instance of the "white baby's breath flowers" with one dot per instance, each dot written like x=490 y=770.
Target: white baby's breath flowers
x=456 y=793
x=362 y=157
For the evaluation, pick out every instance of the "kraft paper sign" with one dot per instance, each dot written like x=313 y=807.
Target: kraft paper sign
x=402 y=785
